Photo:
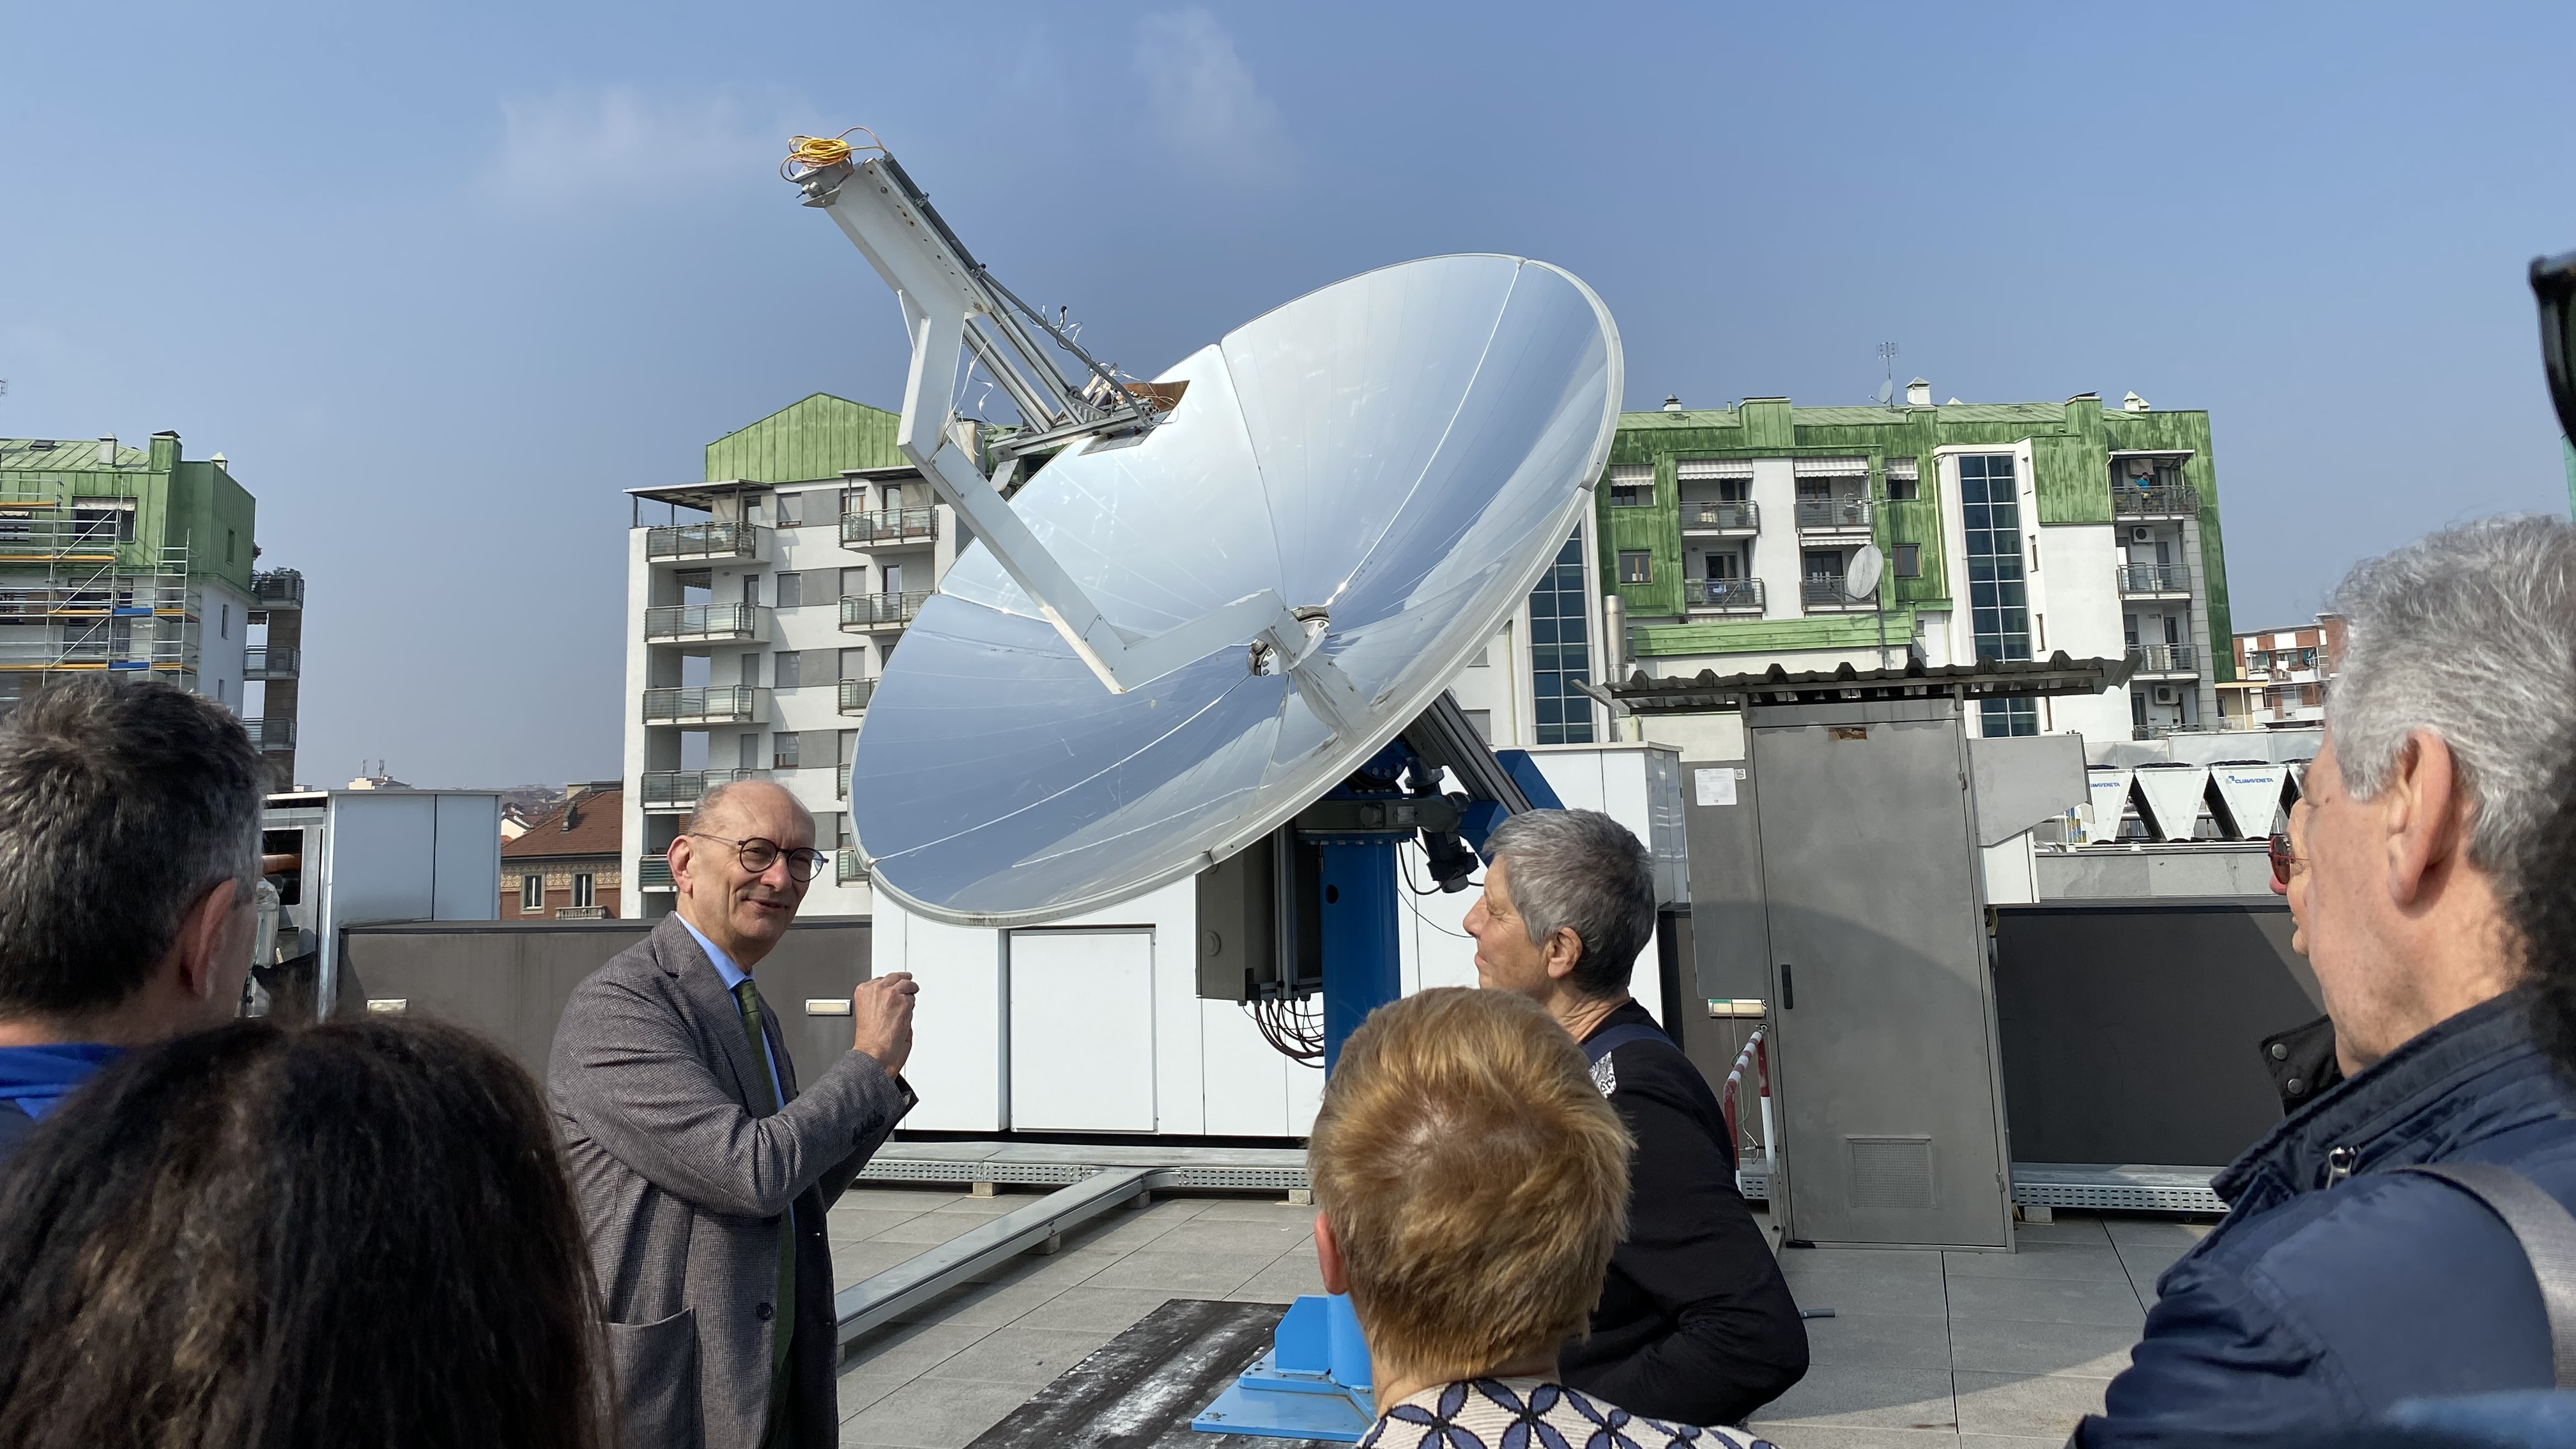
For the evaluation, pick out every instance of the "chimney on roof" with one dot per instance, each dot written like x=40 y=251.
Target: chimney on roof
x=1918 y=394
x=107 y=451
x=1672 y=402
x=222 y=462
x=2133 y=404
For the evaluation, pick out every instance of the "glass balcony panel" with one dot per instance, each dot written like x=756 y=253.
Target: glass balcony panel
x=702 y=540
x=889 y=526
x=1833 y=515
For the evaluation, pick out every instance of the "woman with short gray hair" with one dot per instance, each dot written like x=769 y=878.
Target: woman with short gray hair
x=1695 y=1323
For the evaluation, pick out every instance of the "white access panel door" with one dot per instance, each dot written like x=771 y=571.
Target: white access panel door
x=1082 y=1030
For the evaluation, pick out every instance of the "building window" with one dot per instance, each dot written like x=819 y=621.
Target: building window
x=751 y=670
x=1560 y=652
x=787 y=669
x=1909 y=560
x=1998 y=596
x=1632 y=485
x=783 y=505
x=231 y=540
x=1636 y=566
x=1726 y=566
x=1483 y=722
x=532 y=894
x=791 y=591
x=226 y=628
x=751 y=588
x=747 y=750
x=783 y=751
x=584 y=893
x=1903 y=483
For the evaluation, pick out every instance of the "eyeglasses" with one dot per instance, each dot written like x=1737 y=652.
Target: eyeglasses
x=2283 y=862
x=758 y=855
x=2553 y=282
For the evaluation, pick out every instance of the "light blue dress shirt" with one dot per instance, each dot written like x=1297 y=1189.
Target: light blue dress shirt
x=734 y=976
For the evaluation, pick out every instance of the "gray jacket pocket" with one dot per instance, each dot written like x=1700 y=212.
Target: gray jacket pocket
x=656 y=1365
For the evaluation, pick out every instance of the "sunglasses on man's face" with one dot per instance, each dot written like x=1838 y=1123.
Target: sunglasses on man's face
x=2283 y=861
x=2553 y=283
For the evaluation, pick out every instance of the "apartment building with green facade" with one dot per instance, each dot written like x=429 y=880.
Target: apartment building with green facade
x=140 y=561
x=2008 y=531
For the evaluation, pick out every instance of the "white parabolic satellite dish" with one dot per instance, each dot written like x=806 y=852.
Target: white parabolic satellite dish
x=1408 y=449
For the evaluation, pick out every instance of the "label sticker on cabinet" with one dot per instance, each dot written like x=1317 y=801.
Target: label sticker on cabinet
x=1715 y=787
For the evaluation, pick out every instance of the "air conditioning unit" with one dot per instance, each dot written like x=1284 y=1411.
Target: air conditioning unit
x=2141 y=534
x=2167 y=694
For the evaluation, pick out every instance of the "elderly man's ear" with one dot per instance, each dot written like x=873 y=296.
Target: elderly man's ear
x=1328 y=1257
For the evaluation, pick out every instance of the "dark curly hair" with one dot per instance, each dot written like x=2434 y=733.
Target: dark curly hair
x=299 y=1236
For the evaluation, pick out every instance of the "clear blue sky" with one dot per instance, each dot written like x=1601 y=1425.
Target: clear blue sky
x=443 y=279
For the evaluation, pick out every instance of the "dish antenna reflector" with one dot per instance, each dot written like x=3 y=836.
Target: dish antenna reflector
x=1196 y=620
x=1886 y=392
x=1861 y=579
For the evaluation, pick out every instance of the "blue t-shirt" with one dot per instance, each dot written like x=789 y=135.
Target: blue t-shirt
x=33 y=1079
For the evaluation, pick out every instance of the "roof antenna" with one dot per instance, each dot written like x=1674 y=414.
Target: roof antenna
x=1887 y=361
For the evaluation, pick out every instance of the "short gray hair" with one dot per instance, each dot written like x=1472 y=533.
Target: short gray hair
x=2470 y=634
x=1582 y=870
x=121 y=805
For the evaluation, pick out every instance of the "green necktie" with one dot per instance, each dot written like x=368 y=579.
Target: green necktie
x=749 y=996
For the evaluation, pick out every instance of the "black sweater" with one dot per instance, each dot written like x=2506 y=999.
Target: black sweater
x=1695 y=1324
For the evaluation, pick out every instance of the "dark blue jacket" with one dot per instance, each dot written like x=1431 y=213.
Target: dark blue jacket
x=2335 y=1288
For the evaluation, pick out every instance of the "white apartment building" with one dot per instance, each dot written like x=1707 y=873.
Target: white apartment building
x=2008 y=532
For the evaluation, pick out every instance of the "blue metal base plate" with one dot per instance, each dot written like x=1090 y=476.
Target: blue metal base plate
x=1266 y=1403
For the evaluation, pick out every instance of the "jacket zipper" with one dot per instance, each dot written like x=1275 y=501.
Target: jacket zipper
x=2339 y=1164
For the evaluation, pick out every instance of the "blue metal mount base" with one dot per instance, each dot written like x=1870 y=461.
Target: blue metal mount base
x=1313 y=1384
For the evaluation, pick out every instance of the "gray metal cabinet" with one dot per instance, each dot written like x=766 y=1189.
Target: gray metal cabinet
x=1882 y=1003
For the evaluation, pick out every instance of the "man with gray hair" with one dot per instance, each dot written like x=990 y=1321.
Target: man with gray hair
x=1695 y=1323
x=129 y=855
x=2371 y=1252
x=704 y=1170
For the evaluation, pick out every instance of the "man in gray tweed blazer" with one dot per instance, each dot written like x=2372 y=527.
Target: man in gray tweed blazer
x=703 y=1170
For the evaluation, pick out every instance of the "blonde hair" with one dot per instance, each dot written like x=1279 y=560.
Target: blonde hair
x=1474 y=1179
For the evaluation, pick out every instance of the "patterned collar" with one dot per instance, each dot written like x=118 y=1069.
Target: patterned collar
x=1495 y=1413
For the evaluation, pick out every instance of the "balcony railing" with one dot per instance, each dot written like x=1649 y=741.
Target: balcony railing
x=2172 y=500
x=1825 y=591
x=711 y=704
x=893 y=525
x=278 y=589
x=587 y=913
x=271 y=661
x=848 y=866
x=702 y=621
x=653 y=873
x=880 y=611
x=855 y=694
x=271 y=734
x=681 y=789
x=1732 y=595
x=703 y=540
x=841 y=783
x=2154 y=579
x=1833 y=515
x=1721 y=516
x=2168 y=659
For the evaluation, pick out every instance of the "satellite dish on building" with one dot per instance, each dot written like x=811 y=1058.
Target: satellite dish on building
x=1886 y=392
x=1398 y=457
x=1861 y=579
